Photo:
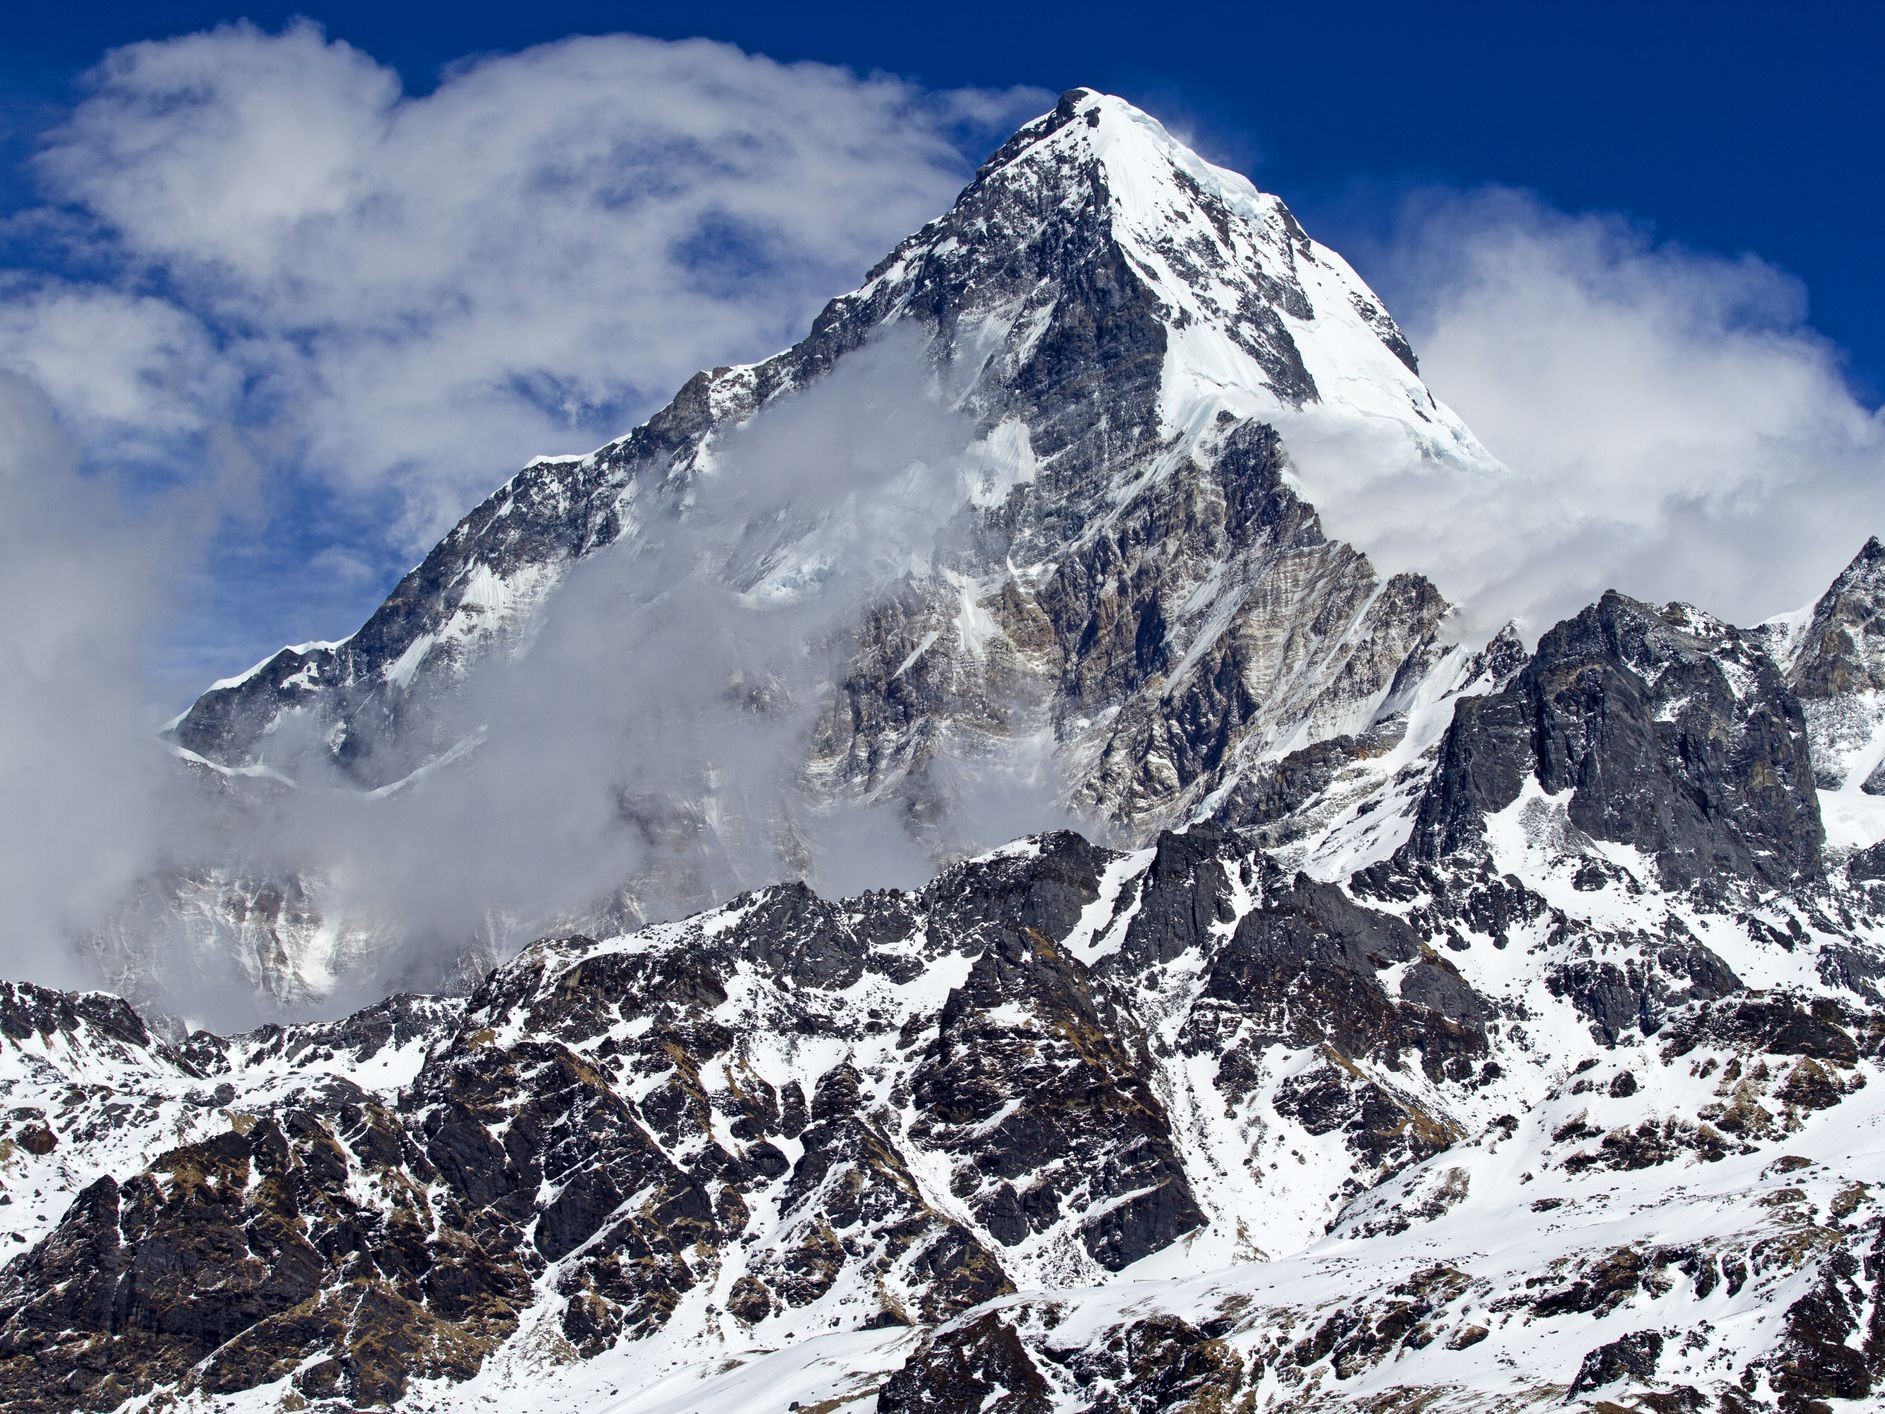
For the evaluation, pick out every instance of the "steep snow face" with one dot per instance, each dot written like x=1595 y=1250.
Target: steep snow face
x=1072 y=566
x=1261 y=319
x=1258 y=319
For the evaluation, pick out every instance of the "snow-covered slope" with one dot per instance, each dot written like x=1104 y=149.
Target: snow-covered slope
x=1571 y=1096
x=1833 y=653
x=1036 y=1128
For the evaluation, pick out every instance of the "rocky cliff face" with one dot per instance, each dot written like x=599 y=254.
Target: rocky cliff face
x=1664 y=729
x=1833 y=654
x=1100 y=302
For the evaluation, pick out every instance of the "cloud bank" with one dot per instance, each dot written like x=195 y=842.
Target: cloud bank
x=83 y=781
x=1673 y=426
x=269 y=279
x=399 y=298
x=646 y=754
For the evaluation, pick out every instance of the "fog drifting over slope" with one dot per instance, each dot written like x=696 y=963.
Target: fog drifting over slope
x=686 y=664
x=655 y=722
x=83 y=781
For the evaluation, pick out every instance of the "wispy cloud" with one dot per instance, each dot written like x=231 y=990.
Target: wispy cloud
x=267 y=281
x=655 y=732
x=399 y=298
x=1674 y=426
x=82 y=780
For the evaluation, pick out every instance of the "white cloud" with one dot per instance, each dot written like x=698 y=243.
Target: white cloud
x=1674 y=427
x=129 y=372
x=425 y=290
x=80 y=775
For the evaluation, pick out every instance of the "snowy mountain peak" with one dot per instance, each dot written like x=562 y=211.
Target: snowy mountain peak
x=1068 y=557
x=1258 y=318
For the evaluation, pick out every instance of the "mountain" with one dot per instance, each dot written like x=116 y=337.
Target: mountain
x=1102 y=304
x=1104 y=592
x=1410 y=1025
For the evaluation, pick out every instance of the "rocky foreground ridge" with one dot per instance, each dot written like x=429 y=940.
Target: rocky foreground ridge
x=1574 y=1096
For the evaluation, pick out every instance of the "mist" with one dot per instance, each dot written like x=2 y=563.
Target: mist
x=1670 y=423
x=88 y=788
x=644 y=753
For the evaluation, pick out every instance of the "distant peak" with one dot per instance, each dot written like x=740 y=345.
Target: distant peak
x=1862 y=573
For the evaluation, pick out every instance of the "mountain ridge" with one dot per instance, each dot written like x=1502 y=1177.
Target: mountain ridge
x=735 y=389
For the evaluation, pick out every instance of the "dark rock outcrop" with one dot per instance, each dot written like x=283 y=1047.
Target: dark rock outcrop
x=1671 y=731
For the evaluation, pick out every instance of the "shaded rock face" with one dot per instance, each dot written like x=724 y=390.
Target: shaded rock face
x=1639 y=993
x=1303 y=966
x=208 y=1256
x=1671 y=731
x=28 y=1011
x=1035 y=1078
x=981 y=1365
x=1631 y=1357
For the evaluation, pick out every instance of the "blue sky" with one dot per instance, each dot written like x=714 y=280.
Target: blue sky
x=1694 y=174
x=1731 y=126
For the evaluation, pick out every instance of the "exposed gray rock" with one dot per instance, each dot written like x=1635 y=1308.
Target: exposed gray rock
x=1672 y=732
